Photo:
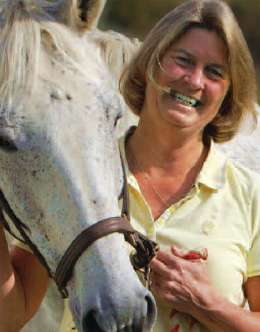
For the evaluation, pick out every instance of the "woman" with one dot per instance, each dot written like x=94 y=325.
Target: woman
x=191 y=84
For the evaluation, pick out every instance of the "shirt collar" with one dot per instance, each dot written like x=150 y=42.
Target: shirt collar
x=212 y=174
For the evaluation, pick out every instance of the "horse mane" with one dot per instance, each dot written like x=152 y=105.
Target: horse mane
x=28 y=28
x=116 y=50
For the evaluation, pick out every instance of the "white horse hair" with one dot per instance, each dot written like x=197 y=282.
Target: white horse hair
x=29 y=29
x=59 y=159
x=116 y=51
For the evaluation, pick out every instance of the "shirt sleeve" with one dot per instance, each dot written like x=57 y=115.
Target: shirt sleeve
x=253 y=259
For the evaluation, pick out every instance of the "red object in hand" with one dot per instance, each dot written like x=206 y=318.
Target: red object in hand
x=200 y=253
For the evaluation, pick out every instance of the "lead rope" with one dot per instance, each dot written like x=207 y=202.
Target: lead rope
x=178 y=323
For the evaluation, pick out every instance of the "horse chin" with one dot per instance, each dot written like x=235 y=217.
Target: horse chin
x=115 y=302
x=95 y=323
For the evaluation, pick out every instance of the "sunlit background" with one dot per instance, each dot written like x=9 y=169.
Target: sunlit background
x=136 y=17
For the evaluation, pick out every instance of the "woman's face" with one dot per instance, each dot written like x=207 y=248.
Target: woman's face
x=196 y=70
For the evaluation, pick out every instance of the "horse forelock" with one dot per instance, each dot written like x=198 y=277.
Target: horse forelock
x=28 y=31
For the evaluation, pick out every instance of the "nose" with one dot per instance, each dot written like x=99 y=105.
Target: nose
x=96 y=321
x=195 y=78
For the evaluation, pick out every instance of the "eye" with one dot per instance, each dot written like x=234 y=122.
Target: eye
x=171 y=60
x=215 y=73
x=7 y=144
x=119 y=116
x=183 y=59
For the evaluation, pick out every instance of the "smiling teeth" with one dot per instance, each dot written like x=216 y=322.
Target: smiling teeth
x=184 y=99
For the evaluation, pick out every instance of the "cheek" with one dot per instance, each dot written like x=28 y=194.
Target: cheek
x=173 y=74
x=150 y=97
x=219 y=93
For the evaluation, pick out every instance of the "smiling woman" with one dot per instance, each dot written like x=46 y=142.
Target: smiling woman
x=240 y=98
x=191 y=84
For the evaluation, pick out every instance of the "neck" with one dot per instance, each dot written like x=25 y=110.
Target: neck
x=162 y=149
x=165 y=175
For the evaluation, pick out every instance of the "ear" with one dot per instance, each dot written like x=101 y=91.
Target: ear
x=90 y=11
x=80 y=15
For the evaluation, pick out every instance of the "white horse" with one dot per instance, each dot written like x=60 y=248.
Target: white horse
x=60 y=169
x=245 y=147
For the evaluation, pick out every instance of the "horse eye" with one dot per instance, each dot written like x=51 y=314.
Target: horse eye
x=119 y=116
x=7 y=144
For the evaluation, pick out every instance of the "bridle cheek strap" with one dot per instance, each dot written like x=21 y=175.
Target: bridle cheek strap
x=145 y=249
x=83 y=242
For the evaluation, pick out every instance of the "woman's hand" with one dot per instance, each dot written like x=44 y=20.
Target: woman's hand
x=183 y=283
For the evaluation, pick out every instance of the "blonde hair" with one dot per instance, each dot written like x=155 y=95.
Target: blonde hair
x=213 y=15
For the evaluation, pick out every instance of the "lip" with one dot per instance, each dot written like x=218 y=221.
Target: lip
x=176 y=106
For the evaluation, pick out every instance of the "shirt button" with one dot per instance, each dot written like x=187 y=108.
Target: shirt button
x=150 y=232
x=208 y=227
x=161 y=222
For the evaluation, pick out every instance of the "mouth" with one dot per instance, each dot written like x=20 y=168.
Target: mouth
x=187 y=101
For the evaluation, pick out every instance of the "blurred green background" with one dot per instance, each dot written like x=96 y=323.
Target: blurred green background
x=135 y=18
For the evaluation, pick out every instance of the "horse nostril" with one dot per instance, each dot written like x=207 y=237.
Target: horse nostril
x=151 y=313
x=90 y=324
x=7 y=144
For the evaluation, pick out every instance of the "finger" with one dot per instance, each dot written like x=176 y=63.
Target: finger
x=167 y=258
x=177 y=252
x=166 y=291
x=164 y=285
x=160 y=269
x=157 y=266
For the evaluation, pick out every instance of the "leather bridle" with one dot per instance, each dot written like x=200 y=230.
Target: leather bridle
x=144 y=249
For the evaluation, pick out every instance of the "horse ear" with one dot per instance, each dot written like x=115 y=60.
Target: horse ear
x=90 y=11
x=80 y=15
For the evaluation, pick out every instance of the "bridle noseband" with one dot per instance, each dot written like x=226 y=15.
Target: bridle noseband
x=144 y=249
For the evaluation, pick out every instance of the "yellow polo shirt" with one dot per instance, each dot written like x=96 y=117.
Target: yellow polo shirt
x=221 y=213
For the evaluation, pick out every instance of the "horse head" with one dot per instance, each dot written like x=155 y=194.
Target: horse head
x=60 y=166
